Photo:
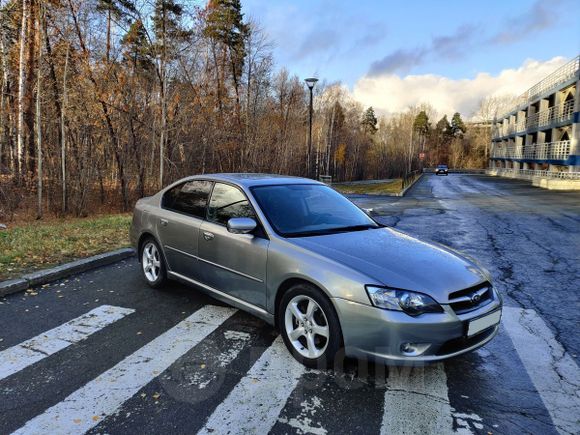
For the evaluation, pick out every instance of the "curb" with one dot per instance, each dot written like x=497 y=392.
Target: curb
x=404 y=191
x=48 y=275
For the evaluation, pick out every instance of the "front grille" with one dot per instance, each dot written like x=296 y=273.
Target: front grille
x=461 y=343
x=470 y=299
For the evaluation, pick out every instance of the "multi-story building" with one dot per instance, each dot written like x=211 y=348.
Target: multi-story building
x=539 y=138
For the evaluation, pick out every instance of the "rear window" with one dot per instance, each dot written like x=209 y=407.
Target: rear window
x=189 y=198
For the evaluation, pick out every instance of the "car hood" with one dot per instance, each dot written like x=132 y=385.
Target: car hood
x=398 y=260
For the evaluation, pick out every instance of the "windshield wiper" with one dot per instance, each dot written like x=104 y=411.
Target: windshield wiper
x=354 y=228
x=333 y=230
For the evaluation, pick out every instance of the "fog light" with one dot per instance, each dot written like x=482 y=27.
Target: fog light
x=413 y=349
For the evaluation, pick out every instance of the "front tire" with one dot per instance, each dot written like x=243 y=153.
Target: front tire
x=309 y=326
x=153 y=264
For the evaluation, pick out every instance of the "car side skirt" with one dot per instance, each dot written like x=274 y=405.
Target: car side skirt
x=224 y=297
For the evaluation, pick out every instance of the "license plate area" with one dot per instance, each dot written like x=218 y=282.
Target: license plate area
x=482 y=323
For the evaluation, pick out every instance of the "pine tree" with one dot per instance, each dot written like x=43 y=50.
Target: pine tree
x=225 y=24
x=457 y=126
x=443 y=127
x=421 y=123
x=443 y=136
x=369 y=121
x=115 y=9
x=137 y=49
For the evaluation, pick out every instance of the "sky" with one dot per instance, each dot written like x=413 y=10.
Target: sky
x=393 y=54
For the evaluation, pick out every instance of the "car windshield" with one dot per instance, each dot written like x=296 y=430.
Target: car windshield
x=300 y=210
x=442 y=166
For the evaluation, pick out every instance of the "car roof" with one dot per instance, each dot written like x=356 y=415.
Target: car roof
x=253 y=179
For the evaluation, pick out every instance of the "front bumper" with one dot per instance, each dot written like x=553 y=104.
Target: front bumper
x=378 y=334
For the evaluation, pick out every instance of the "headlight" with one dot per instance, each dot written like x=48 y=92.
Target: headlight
x=412 y=303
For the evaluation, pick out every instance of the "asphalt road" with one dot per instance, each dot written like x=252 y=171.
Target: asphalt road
x=177 y=361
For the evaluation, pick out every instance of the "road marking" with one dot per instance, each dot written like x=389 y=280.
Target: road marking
x=255 y=403
x=22 y=355
x=417 y=401
x=552 y=370
x=102 y=396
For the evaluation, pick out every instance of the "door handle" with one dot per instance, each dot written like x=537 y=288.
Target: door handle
x=207 y=235
x=164 y=222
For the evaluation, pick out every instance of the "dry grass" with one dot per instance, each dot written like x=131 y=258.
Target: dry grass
x=40 y=245
x=386 y=188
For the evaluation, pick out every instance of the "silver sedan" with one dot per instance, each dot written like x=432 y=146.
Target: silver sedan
x=301 y=256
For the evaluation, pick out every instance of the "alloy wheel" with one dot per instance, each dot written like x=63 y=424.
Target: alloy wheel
x=306 y=326
x=151 y=262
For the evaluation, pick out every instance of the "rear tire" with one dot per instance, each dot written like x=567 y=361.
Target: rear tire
x=153 y=264
x=309 y=326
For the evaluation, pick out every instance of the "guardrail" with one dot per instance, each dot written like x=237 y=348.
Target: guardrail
x=457 y=171
x=537 y=173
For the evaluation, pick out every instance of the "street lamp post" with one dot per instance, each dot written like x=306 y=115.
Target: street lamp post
x=310 y=82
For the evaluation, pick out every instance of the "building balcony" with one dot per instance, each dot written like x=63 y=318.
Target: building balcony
x=555 y=115
x=537 y=151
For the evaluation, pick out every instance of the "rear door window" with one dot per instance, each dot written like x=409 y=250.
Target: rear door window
x=190 y=198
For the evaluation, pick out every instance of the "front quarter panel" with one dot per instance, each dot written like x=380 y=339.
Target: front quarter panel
x=287 y=261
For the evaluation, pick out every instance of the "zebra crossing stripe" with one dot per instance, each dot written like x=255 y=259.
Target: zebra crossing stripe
x=552 y=370
x=417 y=401
x=18 y=357
x=255 y=403
x=102 y=396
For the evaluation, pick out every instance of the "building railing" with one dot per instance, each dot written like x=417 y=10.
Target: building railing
x=535 y=173
x=553 y=115
x=536 y=151
x=563 y=74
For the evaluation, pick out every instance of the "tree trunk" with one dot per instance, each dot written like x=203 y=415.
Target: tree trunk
x=3 y=92
x=21 y=89
x=29 y=102
x=63 y=131
x=39 y=120
x=163 y=102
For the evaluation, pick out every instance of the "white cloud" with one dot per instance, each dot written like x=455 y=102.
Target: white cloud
x=391 y=93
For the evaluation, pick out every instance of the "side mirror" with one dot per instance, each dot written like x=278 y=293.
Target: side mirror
x=368 y=211
x=241 y=225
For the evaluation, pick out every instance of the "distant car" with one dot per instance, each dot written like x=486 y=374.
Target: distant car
x=301 y=256
x=442 y=169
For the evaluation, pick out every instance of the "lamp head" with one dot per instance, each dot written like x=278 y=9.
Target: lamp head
x=310 y=82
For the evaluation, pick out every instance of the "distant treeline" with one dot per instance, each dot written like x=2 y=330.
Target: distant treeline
x=105 y=101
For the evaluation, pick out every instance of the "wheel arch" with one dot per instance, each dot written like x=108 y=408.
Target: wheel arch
x=144 y=236
x=288 y=284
